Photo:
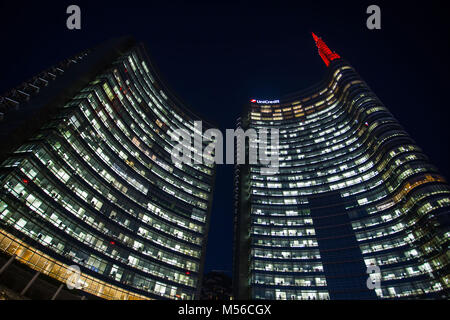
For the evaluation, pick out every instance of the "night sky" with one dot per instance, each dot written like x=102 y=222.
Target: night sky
x=218 y=56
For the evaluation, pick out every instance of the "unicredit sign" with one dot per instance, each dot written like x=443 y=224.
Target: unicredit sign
x=265 y=101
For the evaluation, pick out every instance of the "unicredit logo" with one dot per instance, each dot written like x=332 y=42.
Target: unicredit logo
x=265 y=101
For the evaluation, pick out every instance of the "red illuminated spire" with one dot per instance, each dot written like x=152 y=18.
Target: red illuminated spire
x=325 y=53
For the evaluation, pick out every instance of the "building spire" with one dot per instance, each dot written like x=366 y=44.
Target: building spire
x=325 y=53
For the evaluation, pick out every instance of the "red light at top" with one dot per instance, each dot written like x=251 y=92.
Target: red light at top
x=26 y=181
x=253 y=101
x=325 y=53
x=316 y=38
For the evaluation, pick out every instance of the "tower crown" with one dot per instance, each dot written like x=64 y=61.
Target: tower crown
x=325 y=53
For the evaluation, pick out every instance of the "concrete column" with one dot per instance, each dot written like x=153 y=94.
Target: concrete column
x=58 y=291
x=30 y=283
x=7 y=264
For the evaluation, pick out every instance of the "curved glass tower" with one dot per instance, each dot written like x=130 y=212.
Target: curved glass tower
x=88 y=182
x=354 y=196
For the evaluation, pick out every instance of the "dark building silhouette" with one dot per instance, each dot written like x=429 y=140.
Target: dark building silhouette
x=353 y=193
x=87 y=180
x=216 y=286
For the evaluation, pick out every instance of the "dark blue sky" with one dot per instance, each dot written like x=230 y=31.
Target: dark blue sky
x=216 y=56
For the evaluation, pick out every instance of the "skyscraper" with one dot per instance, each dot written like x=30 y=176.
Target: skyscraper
x=354 y=195
x=87 y=180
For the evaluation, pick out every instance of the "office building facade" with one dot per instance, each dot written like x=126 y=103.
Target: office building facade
x=87 y=179
x=356 y=211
